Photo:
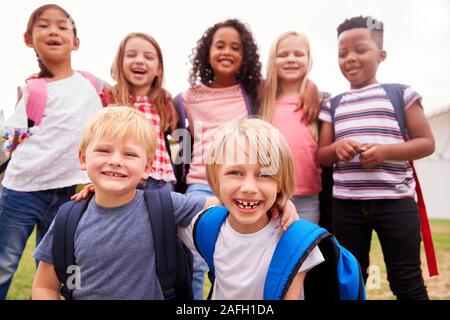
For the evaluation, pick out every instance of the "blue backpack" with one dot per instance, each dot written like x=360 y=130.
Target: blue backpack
x=337 y=278
x=173 y=258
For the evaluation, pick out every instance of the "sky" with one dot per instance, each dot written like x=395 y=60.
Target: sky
x=417 y=38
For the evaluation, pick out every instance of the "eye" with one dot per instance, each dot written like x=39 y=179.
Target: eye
x=234 y=173
x=131 y=154
x=101 y=150
x=361 y=50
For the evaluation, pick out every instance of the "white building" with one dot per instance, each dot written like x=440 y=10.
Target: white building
x=434 y=171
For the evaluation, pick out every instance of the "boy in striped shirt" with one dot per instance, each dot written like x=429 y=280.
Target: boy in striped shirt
x=374 y=187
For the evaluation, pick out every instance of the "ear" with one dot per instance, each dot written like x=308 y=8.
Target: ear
x=82 y=158
x=76 y=44
x=148 y=169
x=383 y=55
x=28 y=39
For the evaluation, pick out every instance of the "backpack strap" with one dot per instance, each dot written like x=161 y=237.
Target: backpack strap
x=37 y=99
x=160 y=209
x=37 y=96
x=292 y=249
x=63 y=249
x=395 y=91
x=92 y=79
x=205 y=233
x=181 y=163
x=250 y=104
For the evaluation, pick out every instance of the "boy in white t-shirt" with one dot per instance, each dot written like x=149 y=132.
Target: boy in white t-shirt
x=250 y=169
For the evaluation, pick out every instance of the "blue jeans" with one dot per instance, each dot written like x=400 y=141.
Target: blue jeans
x=200 y=266
x=20 y=212
x=152 y=184
x=308 y=207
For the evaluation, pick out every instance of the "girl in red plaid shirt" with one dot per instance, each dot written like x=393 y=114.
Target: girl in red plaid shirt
x=138 y=70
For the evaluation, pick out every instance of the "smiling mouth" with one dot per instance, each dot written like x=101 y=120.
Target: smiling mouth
x=53 y=43
x=247 y=204
x=114 y=174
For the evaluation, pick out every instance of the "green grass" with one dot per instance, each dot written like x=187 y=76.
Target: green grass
x=438 y=287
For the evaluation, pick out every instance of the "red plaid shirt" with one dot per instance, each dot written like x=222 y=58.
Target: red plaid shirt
x=162 y=165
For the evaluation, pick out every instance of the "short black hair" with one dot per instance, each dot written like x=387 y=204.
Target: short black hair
x=375 y=26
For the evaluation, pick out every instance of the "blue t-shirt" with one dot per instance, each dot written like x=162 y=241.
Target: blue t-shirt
x=114 y=249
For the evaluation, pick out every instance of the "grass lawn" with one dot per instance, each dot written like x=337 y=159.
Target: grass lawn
x=377 y=286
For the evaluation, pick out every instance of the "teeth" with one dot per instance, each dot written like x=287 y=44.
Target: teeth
x=246 y=204
x=113 y=174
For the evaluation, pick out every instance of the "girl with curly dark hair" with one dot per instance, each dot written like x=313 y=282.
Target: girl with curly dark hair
x=224 y=80
x=225 y=85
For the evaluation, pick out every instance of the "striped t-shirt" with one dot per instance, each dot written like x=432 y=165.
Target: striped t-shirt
x=367 y=116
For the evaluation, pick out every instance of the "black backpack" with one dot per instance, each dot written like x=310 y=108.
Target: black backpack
x=173 y=258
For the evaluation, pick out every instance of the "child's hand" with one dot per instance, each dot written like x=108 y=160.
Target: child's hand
x=83 y=194
x=310 y=103
x=372 y=155
x=347 y=149
x=288 y=213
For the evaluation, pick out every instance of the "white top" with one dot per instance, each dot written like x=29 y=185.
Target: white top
x=48 y=159
x=241 y=261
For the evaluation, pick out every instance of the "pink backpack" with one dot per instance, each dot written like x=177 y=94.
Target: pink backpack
x=37 y=96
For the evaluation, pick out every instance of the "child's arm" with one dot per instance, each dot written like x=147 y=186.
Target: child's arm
x=310 y=102
x=330 y=151
x=295 y=290
x=46 y=284
x=421 y=143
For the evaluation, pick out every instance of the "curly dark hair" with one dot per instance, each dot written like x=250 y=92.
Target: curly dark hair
x=250 y=72
x=375 y=26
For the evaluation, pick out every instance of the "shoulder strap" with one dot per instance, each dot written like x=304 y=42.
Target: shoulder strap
x=205 y=233
x=37 y=99
x=250 y=105
x=181 y=110
x=334 y=102
x=160 y=209
x=394 y=91
x=291 y=251
x=66 y=222
x=92 y=79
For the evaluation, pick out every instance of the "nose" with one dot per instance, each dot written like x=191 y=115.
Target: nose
x=249 y=185
x=53 y=29
x=116 y=159
x=351 y=57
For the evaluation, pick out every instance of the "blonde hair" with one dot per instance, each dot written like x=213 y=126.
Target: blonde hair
x=252 y=141
x=121 y=91
x=271 y=88
x=121 y=123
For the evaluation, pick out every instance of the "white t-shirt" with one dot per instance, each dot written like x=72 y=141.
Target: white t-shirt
x=48 y=159
x=241 y=261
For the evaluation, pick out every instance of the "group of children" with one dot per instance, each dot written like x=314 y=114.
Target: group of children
x=120 y=152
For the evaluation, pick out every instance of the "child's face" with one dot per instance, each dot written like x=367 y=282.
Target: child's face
x=52 y=37
x=291 y=60
x=115 y=167
x=248 y=194
x=225 y=54
x=140 y=65
x=359 y=57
